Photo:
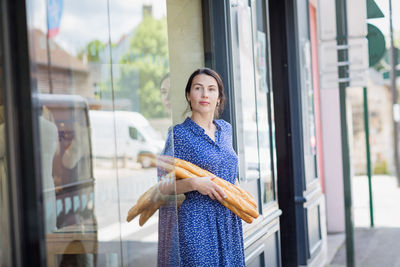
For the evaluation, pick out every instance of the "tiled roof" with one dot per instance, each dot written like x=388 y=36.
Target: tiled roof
x=59 y=57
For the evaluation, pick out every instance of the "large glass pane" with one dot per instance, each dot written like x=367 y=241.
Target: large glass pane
x=100 y=75
x=5 y=244
x=252 y=98
x=142 y=114
x=263 y=101
x=65 y=78
x=307 y=98
x=314 y=226
x=245 y=96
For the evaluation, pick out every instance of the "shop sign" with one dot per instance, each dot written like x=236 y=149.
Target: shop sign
x=326 y=20
x=356 y=18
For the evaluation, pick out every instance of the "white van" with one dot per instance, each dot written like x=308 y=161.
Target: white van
x=133 y=137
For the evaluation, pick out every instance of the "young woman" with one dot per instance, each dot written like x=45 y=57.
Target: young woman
x=208 y=233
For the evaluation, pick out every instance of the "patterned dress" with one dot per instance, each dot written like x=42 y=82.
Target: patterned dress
x=209 y=234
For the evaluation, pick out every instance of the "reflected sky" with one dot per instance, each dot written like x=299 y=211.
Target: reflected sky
x=85 y=20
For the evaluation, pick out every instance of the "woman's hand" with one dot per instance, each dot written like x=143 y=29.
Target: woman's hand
x=205 y=186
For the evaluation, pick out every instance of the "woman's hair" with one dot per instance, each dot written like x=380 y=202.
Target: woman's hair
x=215 y=75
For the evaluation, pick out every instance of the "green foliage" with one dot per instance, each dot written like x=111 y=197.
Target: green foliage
x=92 y=51
x=396 y=38
x=381 y=167
x=147 y=61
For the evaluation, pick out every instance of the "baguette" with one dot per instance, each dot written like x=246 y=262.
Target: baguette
x=181 y=173
x=235 y=195
x=142 y=203
x=242 y=215
x=164 y=164
x=201 y=172
x=239 y=191
x=146 y=214
x=237 y=201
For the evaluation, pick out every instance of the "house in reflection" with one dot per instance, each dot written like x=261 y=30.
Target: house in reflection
x=69 y=75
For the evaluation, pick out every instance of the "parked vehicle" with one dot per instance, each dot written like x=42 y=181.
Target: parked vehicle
x=124 y=134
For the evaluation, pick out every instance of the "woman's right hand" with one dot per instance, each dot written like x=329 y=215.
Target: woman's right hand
x=205 y=186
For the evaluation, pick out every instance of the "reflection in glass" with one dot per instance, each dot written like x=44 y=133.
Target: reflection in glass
x=245 y=95
x=103 y=99
x=252 y=101
x=264 y=125
x=140 y=74
x=65 y=83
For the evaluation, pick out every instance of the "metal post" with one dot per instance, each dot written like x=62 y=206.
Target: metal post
x=366 y=126
x=48 y=49
x=341 y=33
x=392 y=59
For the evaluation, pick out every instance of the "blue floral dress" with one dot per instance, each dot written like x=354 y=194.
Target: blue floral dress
x=209 y=234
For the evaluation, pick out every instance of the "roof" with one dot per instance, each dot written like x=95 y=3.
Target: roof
x=59 y=57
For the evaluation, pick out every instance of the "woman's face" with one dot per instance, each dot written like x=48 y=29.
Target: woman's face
x=204 y=94
x=165 y=88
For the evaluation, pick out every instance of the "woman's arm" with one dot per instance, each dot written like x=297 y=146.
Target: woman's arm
x=204 y=185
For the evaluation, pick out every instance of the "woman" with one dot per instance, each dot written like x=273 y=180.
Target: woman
x=165 y=86
x=209 y=234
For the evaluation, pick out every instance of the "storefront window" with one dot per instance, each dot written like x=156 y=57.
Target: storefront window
x=252 y=98
x=307 y=99
x=263 y=95
x=100 y=75
x=246 y=114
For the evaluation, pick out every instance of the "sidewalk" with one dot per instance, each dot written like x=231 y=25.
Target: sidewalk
x=386 y=199
x=379 y=246
x=372 y=247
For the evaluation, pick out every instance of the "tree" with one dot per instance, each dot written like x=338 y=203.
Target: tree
x=147 y=61
x=92 y=51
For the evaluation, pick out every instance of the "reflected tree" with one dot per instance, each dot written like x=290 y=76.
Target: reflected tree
x=144 y=64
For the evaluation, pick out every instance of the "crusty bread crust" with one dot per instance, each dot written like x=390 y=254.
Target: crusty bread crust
x=238 y=200
x=236 y=196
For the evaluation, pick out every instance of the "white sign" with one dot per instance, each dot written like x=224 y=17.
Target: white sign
x=358 y=78
x=328 y=56
x=326 y=20
x=356 y=18
x=358 y=53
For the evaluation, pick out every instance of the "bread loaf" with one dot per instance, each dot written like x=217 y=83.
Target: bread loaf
x=181 y=173
x=242 y=215
x=147 y=213
x=201 y=172
x=235 y=195
x=142 y=203
x=165 y=164
x=238 y=200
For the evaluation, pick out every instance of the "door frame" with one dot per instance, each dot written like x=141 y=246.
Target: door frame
x=26 y=218
x=294 y=195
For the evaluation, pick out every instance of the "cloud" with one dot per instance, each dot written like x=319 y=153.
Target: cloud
x=86 y=20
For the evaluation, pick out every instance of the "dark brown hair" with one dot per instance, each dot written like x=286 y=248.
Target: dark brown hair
x=215 y=75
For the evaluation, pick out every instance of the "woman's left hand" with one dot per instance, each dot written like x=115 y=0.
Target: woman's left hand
x=205 y=186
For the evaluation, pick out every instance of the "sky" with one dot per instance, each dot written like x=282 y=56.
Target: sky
x=85 y=20
x=383 y=23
